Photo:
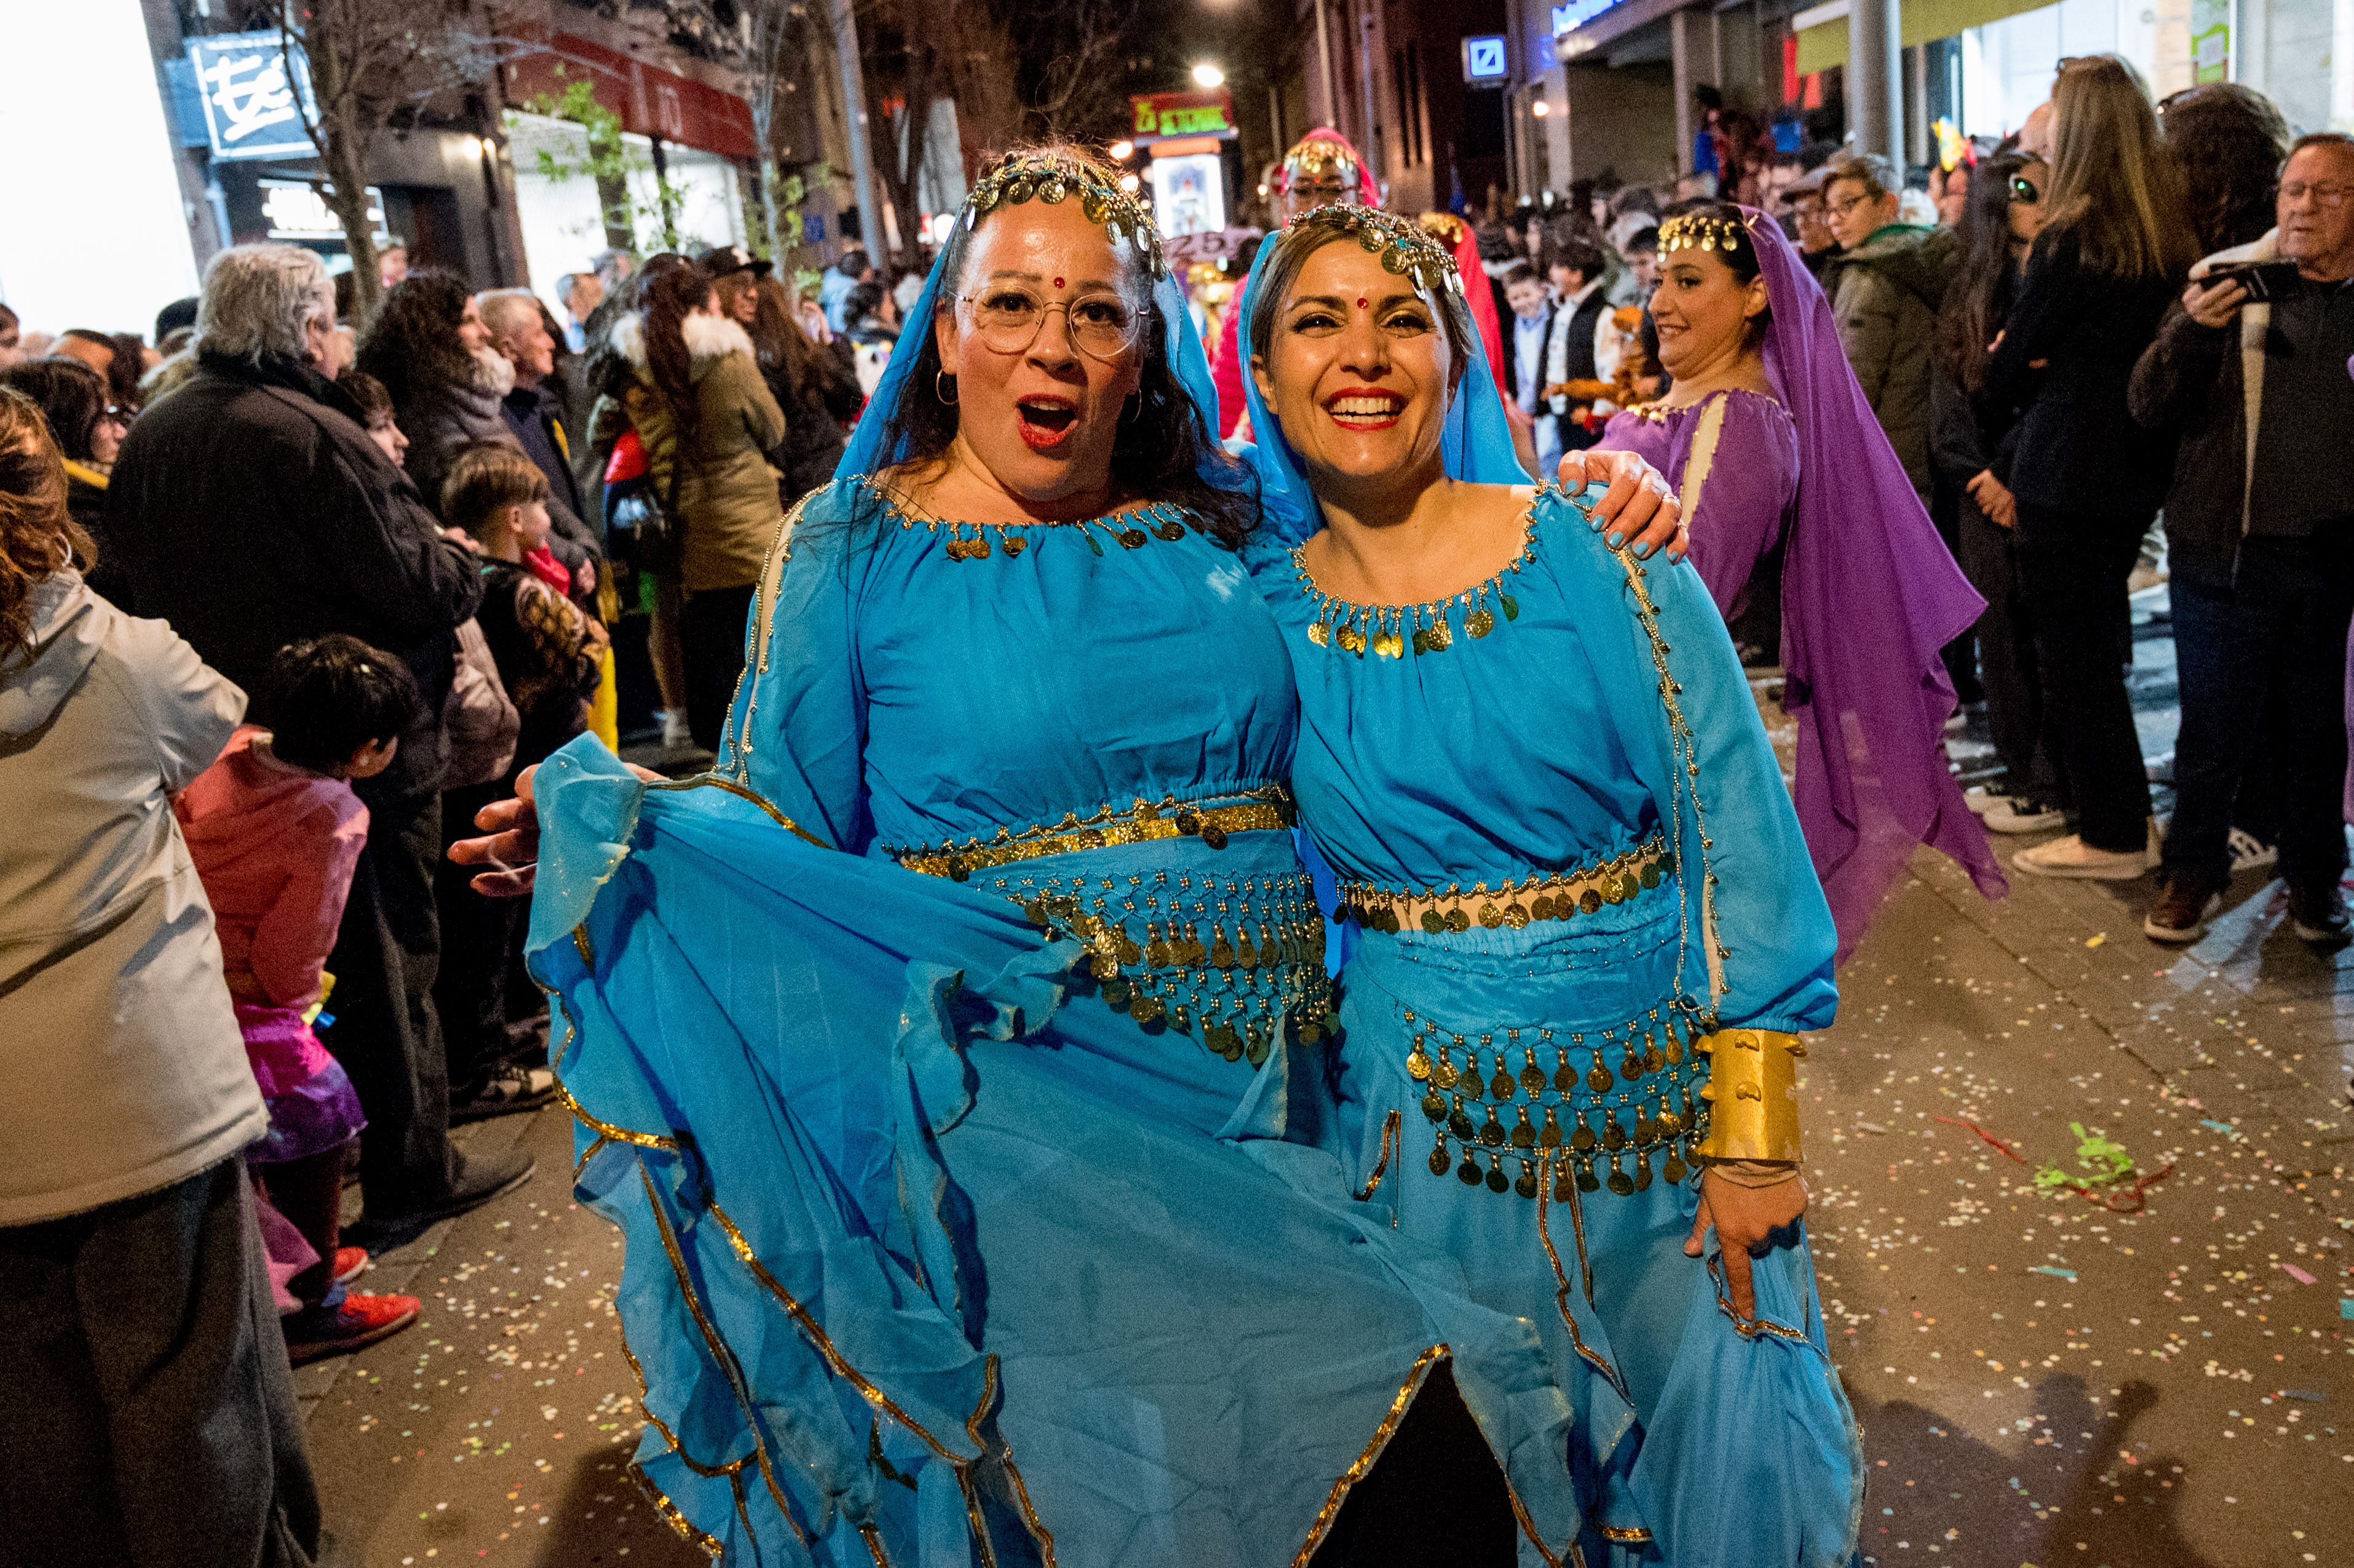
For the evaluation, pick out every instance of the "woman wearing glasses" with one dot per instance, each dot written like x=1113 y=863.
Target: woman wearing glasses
x=2000 y=222
x=903 y=1040
x=89 y=427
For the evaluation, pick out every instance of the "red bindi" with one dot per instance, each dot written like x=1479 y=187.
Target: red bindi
x=1361 y=304
x=1058 y=283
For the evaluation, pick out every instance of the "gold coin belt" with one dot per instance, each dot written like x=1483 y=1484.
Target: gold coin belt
x=1225 y=961
x=1636 y=1099
x=1561 y=896
x=1262 y=809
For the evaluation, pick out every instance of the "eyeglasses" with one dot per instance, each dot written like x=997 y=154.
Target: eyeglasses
x=1009 y=317
x=1841 y=208
x=2323 y=195
x=2023 y=191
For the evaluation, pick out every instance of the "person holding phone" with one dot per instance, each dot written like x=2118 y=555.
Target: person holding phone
x=2251 y=368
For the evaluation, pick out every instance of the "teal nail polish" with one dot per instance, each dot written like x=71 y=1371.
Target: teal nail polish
x=1615 y=540
x=1643 y=551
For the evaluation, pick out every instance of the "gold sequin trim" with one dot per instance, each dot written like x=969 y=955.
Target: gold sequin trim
x=1263 y=809
x=1388 y=629
x=1130 y=527
x=1630 y=1535
x=1562 y=896
x=1382 y=1165
x=1561 y=1281
x=1748 y=1328
x=1363 y=1464
x=742 y=792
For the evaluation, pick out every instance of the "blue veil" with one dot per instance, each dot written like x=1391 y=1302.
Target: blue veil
x=864 y=454
x=1477 y=438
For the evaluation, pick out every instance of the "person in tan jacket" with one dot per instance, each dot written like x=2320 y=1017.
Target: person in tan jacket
x=708 y=422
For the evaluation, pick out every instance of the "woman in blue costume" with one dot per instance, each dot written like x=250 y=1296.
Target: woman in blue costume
x=934 y=1252
x=1585 y=933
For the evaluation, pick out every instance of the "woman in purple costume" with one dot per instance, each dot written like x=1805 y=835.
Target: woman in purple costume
x=1768 y=440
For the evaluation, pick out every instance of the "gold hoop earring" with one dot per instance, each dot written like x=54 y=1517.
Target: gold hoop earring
x=943 y=387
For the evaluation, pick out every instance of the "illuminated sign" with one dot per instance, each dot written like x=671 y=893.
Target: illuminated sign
x=249 y=106
x=297 y=211
x=1483 y=60
x=1159 y=114
x=1577 y=13
x=1189 y=193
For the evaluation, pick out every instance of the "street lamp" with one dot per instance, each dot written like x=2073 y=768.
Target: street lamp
x=1541 y=109
x=1206 y=75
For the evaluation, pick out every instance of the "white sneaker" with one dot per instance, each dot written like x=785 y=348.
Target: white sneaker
x=2072 y=857
x=2020 y=814
x=675 y=735
x=1979 y=798
x=2250 y=852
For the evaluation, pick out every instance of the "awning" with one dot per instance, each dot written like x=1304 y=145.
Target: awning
x=1823 y=29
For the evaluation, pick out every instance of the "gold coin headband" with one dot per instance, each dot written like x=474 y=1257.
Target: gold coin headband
x=1320 y=161
x=1051 y=177
x=1693 y=231
x=1405 y=247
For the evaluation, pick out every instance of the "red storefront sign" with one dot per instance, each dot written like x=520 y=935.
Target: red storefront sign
x=652 y=101
x=1159 y=114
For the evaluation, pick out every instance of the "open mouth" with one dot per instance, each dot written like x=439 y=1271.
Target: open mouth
x=1045 y=422
x=1362 y=410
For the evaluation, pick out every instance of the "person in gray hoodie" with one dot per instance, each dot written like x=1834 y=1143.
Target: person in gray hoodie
x=152 y=1414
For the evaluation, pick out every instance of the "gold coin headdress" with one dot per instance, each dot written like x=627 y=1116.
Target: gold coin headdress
x=1404 y=246
x=1053 y=178
x=1697 y=231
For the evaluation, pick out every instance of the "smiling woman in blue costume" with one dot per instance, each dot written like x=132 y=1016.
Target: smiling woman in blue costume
x=1584 y=927
x=935 y=1253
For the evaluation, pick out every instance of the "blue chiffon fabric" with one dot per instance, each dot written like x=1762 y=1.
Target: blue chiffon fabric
x=934 y=1254
x=1578 y=727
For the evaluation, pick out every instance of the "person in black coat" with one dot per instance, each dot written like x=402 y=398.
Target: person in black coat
x=251 y=510
x=2087 y=479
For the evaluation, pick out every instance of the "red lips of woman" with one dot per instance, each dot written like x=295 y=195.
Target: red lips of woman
x=1045 y=422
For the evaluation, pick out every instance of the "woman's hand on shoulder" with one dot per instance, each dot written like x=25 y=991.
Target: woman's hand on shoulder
x=509 y=843
x=1638 y=509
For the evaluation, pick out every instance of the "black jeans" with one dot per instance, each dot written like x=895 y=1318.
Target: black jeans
x=479 y=938
x=711 y=638
x=386 y=1033
x=1988 y=554
x=150 y=1409
x=2268 y=651
x=2072 y=574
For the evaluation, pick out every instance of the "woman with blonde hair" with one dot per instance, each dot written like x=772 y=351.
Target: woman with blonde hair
x=2088 y=481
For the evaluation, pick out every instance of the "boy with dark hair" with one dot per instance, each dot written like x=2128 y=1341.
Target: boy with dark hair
x=275 y=832
x=548 y=653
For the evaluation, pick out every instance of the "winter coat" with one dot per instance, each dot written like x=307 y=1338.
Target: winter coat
x=126 y=1069
x=276 y=846
x=252 y=510
x=814 y=439
x=1885 y=293
x=86 y=500
x=451 y=416
x=723 y=494
x=2079 y=452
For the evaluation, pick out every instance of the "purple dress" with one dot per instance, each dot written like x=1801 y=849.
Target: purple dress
x=1732 y=458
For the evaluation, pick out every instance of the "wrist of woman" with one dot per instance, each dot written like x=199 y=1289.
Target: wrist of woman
x=1754 y=1173
x=1753 y=1096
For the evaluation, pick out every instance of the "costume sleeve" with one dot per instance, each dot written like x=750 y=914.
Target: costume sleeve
x=292 y=939
x=1736 y=483
x=1760 y=932
x=797 y=734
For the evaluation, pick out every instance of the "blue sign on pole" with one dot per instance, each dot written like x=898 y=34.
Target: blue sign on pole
x=249 y=106
x=1483 y=60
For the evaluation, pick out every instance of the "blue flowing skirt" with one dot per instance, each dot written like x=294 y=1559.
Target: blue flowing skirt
x=1699 y=1440
x=933 y=1257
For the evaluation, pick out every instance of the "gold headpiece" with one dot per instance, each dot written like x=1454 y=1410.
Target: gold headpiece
x=1052 y=178
x=1402 y=244
x=1698 y=231
x=1445 y=228
x=1320 y=160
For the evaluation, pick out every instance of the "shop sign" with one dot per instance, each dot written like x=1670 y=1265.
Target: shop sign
x=1569 y=18
x=1159 y=114
x=297 y=211
x=2210 y=40
x=249 y=106
x=1483 y=60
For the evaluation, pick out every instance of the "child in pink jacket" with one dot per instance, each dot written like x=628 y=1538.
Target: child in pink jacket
x=275 y=832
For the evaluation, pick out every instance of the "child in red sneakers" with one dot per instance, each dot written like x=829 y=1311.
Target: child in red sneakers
x=275 y=832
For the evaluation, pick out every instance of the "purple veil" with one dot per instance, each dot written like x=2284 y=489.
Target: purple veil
x=1870 y=594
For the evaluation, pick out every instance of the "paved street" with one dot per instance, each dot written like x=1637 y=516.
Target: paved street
x=2042 y=1380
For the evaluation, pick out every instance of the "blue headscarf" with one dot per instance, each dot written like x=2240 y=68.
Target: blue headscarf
x=1476 y=439
x=864 y=454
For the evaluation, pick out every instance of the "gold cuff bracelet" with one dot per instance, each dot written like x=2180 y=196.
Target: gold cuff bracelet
x=1753 y=1095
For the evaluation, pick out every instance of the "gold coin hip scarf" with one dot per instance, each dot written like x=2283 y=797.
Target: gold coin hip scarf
x=1263 y=809
x=1532 y=900
x=1231 y=962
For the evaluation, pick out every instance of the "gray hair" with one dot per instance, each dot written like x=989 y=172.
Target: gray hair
x=259 y=299
x=504 y=310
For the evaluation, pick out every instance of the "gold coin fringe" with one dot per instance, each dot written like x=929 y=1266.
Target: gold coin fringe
x=1388 y=631
x=1264 y=808
x=1562 y=896
x=1129 y=529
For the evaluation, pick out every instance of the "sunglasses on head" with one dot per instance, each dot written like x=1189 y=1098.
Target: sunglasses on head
x=2023 y=190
